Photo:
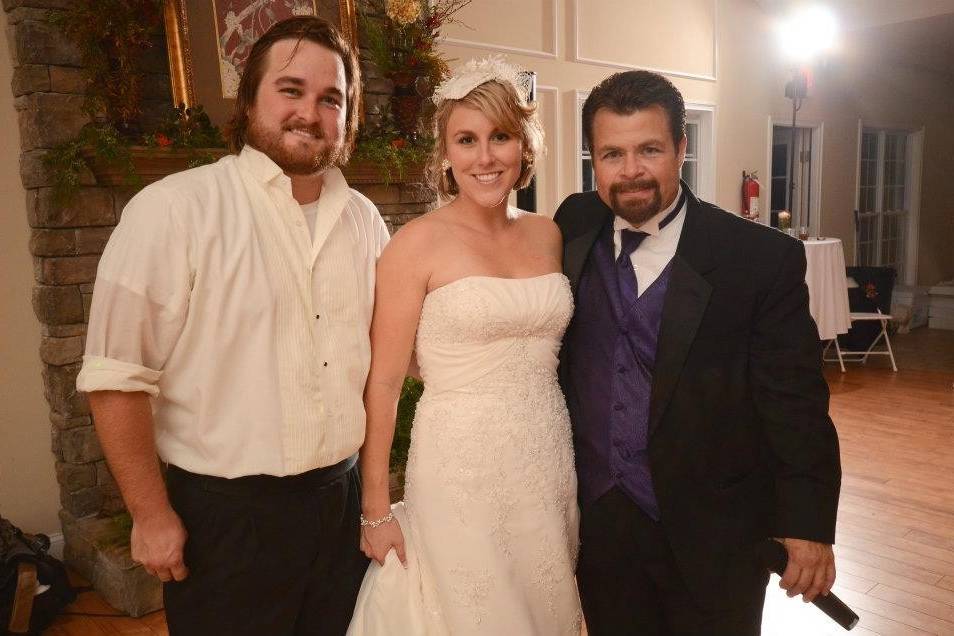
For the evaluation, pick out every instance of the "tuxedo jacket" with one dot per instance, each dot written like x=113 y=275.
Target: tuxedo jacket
x=741 y=446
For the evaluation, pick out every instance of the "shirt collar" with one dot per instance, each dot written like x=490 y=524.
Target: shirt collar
x=334 y=188
x=259 y=165
x=651 y=226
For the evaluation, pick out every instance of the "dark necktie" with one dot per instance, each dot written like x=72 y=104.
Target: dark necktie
x=629 y=241
x=625 y=274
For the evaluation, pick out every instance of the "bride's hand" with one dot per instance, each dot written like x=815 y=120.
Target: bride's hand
x=377 y=542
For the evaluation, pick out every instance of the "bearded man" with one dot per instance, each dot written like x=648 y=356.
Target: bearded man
x=692 y=372
x=229 y=334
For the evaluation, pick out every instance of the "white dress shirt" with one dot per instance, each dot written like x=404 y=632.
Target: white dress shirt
x=654 y=253
x=250 y=334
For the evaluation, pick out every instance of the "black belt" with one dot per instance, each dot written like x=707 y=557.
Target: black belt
x=264 y=484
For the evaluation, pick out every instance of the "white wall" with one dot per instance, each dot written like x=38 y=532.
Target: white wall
x=29 y=496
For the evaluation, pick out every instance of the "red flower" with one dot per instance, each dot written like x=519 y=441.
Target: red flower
x=163 y=141
x=398 y=143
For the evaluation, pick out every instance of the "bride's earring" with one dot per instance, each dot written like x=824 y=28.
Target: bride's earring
x=445 y=165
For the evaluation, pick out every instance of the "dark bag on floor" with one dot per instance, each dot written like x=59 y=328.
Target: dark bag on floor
x=26 y=569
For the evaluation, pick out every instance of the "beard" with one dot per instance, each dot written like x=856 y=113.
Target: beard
x=291 y=159
x=635 y=212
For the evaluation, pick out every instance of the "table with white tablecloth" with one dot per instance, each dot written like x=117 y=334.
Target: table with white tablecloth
x=827 y=286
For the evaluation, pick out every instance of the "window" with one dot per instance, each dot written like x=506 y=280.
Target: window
x=883 y=198
x=690 y=168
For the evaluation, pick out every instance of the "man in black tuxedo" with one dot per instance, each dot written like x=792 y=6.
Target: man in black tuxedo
x=692 y=371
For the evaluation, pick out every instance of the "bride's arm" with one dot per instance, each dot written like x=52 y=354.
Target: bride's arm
x=401 y=285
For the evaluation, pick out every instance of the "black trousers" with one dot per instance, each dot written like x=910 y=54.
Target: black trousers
x=630 y=585
x=267 y=555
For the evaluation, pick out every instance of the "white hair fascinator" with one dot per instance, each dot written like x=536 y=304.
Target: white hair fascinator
x=476 y=72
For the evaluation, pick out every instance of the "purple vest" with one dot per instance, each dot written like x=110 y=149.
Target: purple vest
x=610 y=372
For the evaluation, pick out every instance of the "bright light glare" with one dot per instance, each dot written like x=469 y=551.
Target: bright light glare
x=807 y=32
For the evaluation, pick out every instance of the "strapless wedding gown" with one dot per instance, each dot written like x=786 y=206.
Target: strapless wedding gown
x=490 y=517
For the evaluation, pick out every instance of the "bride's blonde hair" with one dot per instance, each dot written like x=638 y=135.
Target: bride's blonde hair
x=501 y=104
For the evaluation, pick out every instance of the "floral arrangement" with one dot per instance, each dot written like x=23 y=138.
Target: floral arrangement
x=186 y=128
x=399 y=37
x=182 y=128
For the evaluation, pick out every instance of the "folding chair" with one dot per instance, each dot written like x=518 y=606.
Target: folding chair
x=862 y=356
x=869 y=300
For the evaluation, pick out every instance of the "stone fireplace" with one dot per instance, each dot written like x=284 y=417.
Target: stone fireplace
x=66 y=243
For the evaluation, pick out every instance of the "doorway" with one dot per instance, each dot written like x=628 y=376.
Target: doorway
x=802 y=189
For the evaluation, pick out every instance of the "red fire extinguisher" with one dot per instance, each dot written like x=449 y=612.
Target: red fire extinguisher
x=750 y=195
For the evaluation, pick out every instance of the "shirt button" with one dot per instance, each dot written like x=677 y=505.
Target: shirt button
x=620 y=369
x=325 y=364
x=618 y=407
x=317 y=316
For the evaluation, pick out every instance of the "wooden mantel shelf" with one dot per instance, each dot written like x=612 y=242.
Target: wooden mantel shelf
x=151 y=164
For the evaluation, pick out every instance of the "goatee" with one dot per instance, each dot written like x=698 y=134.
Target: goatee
x=293 y=161
x=635 y=212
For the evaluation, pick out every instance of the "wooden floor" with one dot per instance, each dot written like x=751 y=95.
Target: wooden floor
x=895 y=551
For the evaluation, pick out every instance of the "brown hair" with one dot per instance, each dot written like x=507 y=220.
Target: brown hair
x=499 y=102
x=313 y=29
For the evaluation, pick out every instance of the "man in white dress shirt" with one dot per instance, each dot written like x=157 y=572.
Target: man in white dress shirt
x=229 y=334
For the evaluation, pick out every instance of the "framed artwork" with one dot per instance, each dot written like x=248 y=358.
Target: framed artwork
x=209 y=41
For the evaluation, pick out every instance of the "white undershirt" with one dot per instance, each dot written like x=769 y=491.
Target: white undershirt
x=310 y=210
x=654 y=253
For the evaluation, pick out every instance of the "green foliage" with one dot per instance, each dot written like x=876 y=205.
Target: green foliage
x=66 y=161
x=186 y=128
x=410 y=394
x=385 y=148
x=113 y=36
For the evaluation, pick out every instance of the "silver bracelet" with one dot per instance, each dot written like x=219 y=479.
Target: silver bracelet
x=377 y=522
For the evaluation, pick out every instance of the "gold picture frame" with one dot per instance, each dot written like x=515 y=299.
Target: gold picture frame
x=201 y=68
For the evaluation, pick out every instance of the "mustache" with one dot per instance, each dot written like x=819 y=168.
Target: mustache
x=633 y=186
x=314 y=130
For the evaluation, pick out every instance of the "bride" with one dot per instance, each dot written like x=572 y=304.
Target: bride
x=487 y=534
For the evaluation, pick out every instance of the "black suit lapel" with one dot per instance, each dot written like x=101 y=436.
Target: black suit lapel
x=580 y=238
x=686 y=300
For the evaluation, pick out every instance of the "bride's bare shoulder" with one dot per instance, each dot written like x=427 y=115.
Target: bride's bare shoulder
x=416 y=238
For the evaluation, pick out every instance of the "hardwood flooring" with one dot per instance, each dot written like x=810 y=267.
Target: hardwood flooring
x=895 y=550
x=895 y=541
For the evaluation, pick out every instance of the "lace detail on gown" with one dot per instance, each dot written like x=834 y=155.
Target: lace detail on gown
x=490 y=508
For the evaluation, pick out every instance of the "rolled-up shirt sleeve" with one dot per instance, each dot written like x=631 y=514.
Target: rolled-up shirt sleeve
x=141 y=296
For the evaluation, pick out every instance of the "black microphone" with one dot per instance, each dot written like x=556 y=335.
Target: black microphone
x=774 y=556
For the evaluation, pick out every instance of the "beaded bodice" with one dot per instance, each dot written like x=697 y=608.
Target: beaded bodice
x=480 y=332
